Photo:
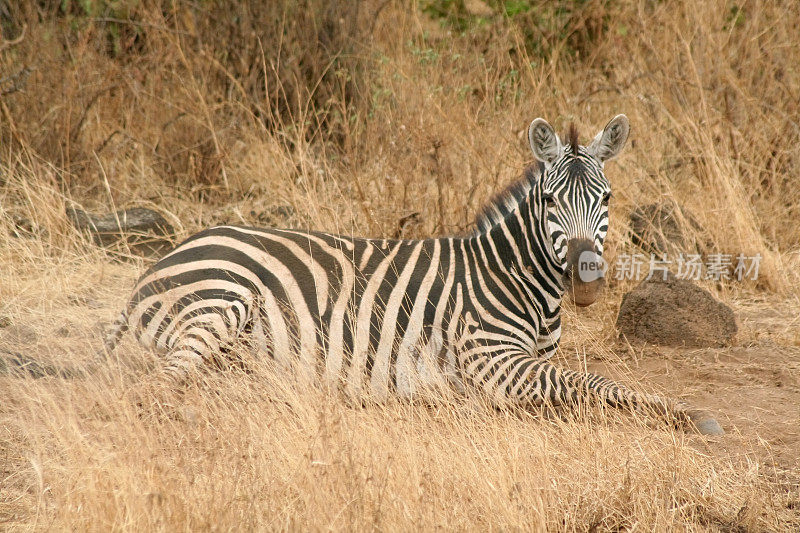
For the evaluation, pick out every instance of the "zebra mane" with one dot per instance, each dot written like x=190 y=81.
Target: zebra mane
x=572 y=137
x=504 y=202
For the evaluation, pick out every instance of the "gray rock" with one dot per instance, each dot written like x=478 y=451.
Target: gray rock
x=675 y=312
x=145 y=231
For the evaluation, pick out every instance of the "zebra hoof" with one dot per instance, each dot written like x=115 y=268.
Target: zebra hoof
x=705 y=423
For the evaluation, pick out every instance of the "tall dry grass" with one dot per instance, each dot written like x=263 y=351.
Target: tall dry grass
x=380 y=119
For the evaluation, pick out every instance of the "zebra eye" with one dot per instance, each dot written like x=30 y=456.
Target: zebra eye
x=548 y=197
x=606 y=198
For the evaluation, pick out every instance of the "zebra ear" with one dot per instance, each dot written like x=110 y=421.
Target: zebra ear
x=545 y=144
x=609 y=142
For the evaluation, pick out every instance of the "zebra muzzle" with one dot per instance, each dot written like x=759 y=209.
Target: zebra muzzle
x=584 y=276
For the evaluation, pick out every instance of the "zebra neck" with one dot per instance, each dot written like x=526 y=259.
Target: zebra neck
x=518 y=245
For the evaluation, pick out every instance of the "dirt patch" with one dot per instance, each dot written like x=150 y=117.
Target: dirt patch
x=675 y=312
x=752 y=391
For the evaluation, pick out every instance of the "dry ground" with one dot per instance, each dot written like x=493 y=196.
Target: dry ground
x=389 y=118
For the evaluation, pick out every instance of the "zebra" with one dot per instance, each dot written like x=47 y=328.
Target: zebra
x=378 y=317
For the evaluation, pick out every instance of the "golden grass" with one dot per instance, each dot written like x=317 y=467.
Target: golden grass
x=206 y=122
x=257 y=452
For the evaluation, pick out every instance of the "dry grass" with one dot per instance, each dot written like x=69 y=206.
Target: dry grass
x=290 y=115
x=254 y=454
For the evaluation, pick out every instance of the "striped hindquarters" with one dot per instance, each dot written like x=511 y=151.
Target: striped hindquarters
x=355 y=310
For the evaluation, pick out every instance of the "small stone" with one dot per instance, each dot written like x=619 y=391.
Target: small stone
x=5 y=321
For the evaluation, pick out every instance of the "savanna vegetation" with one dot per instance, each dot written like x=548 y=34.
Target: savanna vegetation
x=398 y=119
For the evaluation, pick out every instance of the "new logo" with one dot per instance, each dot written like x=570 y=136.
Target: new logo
x=591 y=267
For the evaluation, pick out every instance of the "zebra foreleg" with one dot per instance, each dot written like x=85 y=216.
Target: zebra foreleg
x=550 y=383
x=527 y=381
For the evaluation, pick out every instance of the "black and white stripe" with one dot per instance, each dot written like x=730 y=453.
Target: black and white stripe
x=397 y=316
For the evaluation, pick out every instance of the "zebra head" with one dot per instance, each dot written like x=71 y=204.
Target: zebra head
x=573 y=201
